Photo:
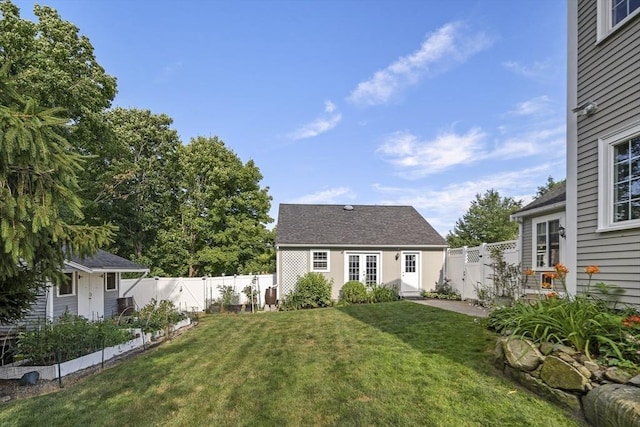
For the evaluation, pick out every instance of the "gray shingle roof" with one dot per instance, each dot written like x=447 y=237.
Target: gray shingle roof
x=103 y=260
x=557 y=195
x=365 y=225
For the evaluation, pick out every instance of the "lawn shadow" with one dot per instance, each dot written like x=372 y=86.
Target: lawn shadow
x=459 y=337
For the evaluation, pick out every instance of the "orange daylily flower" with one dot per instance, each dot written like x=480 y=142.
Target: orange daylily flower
x=529 y=272
x=552 y=295
x=561 y=269
x=592 y=269
x=631 y=321
x=550 y=275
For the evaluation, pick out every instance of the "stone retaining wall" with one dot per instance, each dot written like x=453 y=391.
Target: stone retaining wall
x=604 y=397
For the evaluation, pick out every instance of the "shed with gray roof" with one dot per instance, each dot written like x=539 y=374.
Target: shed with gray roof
x=392 y=245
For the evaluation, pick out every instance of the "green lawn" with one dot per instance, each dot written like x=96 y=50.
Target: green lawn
x=394 y=364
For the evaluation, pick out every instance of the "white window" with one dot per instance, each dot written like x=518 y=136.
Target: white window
x=364 y=268
x=619 y=180
x=613 y=13
x=110 y=281
x=320 y=260
x=546 y=242
x=68 y=287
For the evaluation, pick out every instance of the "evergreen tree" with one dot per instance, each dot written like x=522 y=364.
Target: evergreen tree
x=40 y=210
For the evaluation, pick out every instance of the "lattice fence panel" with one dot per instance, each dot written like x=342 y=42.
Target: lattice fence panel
x=502 y=246
x=456 y=251
x=294 y=265
x=473 y=255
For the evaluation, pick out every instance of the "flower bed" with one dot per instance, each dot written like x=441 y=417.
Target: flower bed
x=50 y=372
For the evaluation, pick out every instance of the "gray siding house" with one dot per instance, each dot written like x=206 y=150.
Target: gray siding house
x=603 y=143
x=91 y=290
x=372 y=244
x=542 y=225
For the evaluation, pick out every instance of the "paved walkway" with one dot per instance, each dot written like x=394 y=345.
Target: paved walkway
x=457 y=306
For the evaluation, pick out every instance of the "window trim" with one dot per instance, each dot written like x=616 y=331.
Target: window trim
x=605 y=179
x=317 y=270
x=74 y=286
x=561 y=218
x=117 y=282
x=605 y=26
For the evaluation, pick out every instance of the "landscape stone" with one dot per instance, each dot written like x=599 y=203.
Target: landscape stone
x=613 y=405
x=635 y=381
x=30 y=378
x=557 y=373
x=591 y=366
x=617 y=376
x=564 y=399
x=522 y=354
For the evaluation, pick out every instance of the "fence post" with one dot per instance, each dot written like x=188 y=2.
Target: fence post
x=464 y=272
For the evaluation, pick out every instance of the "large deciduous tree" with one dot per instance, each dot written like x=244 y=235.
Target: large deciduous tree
x=486 y=221
x=221 y=224
x=40 y=210
x=548 y=186
x=133 y=177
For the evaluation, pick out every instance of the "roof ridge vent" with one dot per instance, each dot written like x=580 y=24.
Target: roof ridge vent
x=348 y=208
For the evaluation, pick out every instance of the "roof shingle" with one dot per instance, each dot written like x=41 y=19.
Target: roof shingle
x=364 y=225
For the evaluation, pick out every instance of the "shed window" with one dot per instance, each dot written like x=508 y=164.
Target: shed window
x=320 y=260
x=67 y=287
x=111 y=281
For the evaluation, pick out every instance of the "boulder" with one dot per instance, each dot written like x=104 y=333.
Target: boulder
x=613 y=405
x=564 y=399
x=557 y=373
x=30 y=378
x=616 y=375
x=521 y=354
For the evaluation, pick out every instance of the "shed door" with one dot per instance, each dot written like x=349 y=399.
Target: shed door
x=90 y=296
x=410 y=273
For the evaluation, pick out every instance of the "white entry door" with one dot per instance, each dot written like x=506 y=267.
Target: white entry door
x=411 y=285
x=90 y=296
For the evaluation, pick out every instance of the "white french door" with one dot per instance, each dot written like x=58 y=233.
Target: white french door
x=363 y=267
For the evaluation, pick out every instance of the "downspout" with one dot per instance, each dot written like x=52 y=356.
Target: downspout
x=124 y=294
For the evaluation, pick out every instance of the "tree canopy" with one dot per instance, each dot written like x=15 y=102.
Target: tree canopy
x=486 y=221
x=548 y=186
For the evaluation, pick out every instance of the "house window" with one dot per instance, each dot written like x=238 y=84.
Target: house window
x=547 y=243
x=619 y=180
x=620 y=9
x=110 y=281
x=613 y=13
x=67 y=287
x=320 y=260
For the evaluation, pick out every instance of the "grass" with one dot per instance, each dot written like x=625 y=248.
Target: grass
x=386 y=364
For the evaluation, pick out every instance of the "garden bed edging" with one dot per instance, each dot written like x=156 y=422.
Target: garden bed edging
x=50 y=372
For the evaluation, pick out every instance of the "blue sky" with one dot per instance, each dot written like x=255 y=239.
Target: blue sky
x=423 y=103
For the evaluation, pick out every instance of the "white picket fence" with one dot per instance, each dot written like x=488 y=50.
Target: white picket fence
x=192 y=293
x=467 y=267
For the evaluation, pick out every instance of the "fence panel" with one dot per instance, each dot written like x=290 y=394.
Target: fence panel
x=468 y=267
x=192 y=293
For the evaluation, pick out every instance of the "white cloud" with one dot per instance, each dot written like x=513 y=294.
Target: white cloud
x=448 y=44
x=533 y=107
x=329 y=107
x=444 y=206
x=319 y=125
x=421 y=158
x=550 y=141
x=533 y=71
x=332 y=195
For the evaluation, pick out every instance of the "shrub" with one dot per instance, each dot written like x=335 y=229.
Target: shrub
x=312 y=290
x=156 y=316
x=68 y=337
x=354 y=292
x=383 y=293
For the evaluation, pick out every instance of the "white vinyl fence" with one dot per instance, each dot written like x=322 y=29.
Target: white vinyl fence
x=468 y=267
x=192 y=293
